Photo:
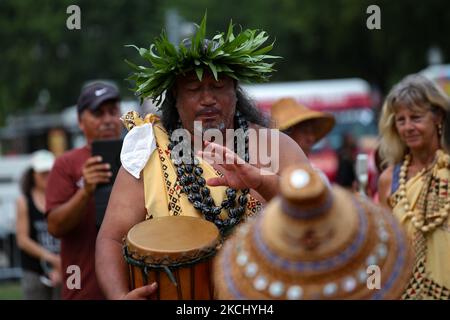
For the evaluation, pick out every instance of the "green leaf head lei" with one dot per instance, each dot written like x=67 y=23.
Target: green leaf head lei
x=241 y=57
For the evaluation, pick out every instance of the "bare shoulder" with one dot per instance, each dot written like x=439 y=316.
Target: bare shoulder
x=386 y=177
x=284 y=138
x=21 y=201
x=289 y=149
x=283 y=150
x=127 y=196
x=384 y=185
x=272 y=134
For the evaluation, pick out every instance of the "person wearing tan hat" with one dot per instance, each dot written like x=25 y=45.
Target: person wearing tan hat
x=302 y=124
x=314 y=242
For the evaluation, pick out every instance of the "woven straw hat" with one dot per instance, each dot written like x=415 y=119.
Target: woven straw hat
x=287 y=112
x=312 y=242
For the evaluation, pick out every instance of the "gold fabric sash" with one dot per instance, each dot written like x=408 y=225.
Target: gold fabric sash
x=431 y=278
x=163 y=196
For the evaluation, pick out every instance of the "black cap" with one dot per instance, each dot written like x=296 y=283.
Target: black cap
x=93 y=95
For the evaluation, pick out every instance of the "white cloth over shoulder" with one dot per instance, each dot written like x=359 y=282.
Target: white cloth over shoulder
x=138 y=145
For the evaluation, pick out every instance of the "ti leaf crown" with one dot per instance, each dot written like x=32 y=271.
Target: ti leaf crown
x=241 y=57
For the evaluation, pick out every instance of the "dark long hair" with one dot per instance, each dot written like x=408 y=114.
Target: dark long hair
x=446 y=129
x=27 y=182
x=244 y=104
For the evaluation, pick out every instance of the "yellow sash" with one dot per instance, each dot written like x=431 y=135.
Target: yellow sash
x=163 y=196
x=431 y=279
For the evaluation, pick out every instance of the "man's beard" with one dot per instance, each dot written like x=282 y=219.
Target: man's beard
x=217 y=125
x=210 y=125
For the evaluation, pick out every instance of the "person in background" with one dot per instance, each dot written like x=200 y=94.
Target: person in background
x=70 y=203
x=303 y=125
x=41 y=264
x=225 y=193
x=346 y=175
x=380 y=167
x=415 y=185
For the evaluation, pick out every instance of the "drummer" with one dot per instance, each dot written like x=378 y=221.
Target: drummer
x=213 y=183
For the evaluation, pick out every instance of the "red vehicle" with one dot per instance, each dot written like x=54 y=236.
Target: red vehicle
x=351 y=101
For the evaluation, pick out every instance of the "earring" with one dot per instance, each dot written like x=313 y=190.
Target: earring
x=440 y=129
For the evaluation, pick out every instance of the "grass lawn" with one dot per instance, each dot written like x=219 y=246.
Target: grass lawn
x=10 y=291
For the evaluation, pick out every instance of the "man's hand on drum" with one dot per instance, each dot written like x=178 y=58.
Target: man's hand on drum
x=142 y=293
x=237 y=173
x=95 y=172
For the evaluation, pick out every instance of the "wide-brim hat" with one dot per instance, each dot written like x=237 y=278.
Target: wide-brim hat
x=315 y=242
x=287 y=112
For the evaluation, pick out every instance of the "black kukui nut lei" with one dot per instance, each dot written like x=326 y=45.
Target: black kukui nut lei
x=194 y=186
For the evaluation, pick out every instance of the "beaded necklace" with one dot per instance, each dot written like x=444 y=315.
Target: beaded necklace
x=189 y=175
x=419 y=218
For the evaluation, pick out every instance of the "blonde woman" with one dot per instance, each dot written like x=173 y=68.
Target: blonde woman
x=413 y=127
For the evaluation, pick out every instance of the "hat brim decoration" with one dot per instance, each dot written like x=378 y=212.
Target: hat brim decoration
x=315 y=243
x=241 y=57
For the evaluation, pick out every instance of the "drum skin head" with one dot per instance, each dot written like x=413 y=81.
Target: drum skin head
x=176 y=252
x=172 y=238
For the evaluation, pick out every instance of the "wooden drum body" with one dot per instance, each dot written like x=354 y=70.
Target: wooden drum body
x=176 y=253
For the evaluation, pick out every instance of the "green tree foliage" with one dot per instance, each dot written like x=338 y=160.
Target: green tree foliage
x=317 y=40
x=39 y=52
x=329 y=38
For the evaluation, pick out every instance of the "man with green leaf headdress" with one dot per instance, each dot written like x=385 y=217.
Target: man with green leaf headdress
x=196 y=86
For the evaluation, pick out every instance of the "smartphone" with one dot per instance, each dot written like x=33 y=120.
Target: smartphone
x=109 y=150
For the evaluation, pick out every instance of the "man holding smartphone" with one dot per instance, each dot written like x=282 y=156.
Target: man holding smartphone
x=70 y=207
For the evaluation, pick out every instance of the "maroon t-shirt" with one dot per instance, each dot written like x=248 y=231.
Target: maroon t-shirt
x=78 y=246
